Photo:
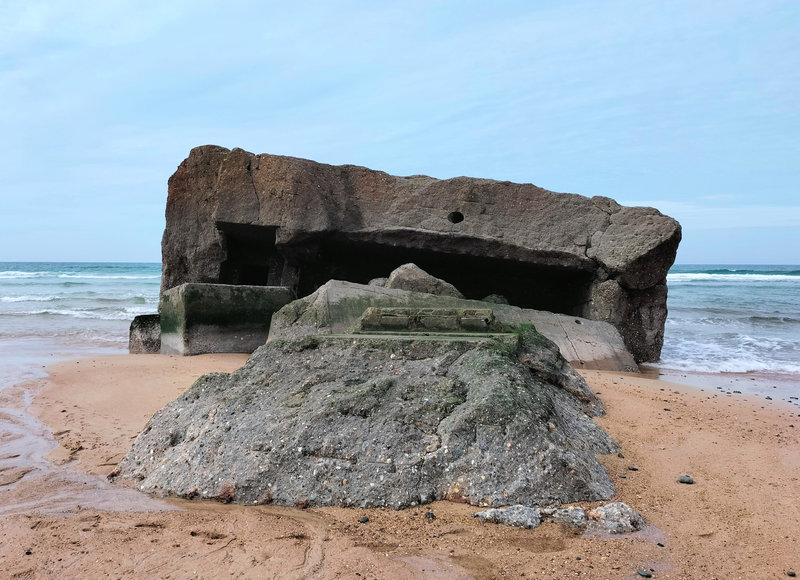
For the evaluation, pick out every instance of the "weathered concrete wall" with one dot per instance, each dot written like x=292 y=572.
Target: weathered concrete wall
x=240 y=218
x=203 y=318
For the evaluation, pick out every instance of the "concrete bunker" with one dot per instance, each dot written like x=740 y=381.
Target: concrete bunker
x=236 y=218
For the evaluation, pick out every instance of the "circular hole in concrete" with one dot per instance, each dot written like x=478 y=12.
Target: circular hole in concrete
x=455 y=217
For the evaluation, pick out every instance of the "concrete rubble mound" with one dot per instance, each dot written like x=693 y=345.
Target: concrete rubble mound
x=380 y=417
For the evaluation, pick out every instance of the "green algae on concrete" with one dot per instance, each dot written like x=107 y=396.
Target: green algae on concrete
x=337 y=306
x=202 y=318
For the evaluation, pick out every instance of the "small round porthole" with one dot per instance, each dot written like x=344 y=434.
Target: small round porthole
x=455 y=217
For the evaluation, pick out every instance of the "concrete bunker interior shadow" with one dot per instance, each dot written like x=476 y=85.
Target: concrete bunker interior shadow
x=253 y=257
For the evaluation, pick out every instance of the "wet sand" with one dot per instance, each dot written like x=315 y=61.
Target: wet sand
x=60 y=518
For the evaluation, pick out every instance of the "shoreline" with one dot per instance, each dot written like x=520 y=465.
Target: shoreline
x=771 y=386
x=737 y=520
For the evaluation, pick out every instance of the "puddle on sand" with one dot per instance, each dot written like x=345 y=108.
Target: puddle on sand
x=30 y=483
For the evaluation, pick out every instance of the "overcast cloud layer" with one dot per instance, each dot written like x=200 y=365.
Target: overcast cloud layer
x=689 y=106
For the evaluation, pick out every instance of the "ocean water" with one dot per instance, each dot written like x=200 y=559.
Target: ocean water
x=57 y=311
x=733 y=319
x=741 y=320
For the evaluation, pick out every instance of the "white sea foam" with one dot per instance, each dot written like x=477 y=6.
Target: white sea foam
x=17 y=274
x=29 y=298
x=87 y=297
x=109 y=276
x=731 y=352
x=727 y=365
x=683 y=277
x=124 y=314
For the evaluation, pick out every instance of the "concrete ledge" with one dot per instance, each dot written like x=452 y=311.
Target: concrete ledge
x=205 y=318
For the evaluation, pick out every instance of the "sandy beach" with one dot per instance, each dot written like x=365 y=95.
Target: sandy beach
x=62 y=519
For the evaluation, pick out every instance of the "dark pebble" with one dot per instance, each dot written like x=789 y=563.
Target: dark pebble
x=633 y=468
x=578 y=558
x=28 y=552
x=768 y=398
x=430 y=515
x=620 y=455
x=738 y=392
x=623 y=476
x=363 y=520
x=644 y=573
x=685 y=479
x=667 y=409
x=660 y=545
x=791 y=573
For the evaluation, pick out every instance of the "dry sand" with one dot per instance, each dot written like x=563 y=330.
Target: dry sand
x=739 y=520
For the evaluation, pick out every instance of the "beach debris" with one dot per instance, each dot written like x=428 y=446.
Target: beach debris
x=687 y=479
x=413 y=278
x=430 y=516
x=145 y=334
x=633 y=468
x=573 y=517
x=518 y=516
x=363 y=520
x=616 y=518
x=644 y=573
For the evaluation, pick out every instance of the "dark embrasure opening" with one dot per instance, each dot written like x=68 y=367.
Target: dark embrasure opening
x=254 y=258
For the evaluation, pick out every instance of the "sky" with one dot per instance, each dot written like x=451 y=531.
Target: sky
x=689 y=106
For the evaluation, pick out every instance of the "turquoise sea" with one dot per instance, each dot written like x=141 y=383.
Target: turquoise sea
x=722 y=318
